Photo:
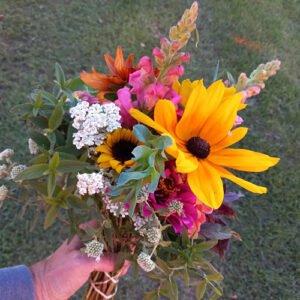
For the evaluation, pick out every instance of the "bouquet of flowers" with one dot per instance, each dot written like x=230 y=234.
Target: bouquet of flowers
x=144 y=155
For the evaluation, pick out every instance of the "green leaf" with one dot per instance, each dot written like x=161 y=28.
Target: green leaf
x=40 y=139
x=173 y=288
x=215 y=231
x=163 y=265
x=39 y=121
x=151 y=295
x=56 y=117
x=40 y=159
x=51 y=184
x=23 y=108
x=54 y=162
x=33 y=172
x=76 y=84
x=204 y=246
x=200 y=289
x=76 y=202
x=216 y=72
x=51 y=216
x=48 y=96
x=59 y=74
x=70 y=166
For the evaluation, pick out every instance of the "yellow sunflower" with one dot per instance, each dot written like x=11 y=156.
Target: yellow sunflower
x=201 y=139
x=116 y=151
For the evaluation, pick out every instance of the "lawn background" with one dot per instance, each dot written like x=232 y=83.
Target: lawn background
x=36 y=34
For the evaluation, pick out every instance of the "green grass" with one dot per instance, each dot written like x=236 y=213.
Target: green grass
x=36 y=34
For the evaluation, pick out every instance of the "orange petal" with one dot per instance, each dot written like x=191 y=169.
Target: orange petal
x=141 y=117
x=120 y=66
x=207 y=185
x=221 y=120
x=165 y=115
x=241 y=182
x=243 y=160
x=235 y=136
x=109 y=60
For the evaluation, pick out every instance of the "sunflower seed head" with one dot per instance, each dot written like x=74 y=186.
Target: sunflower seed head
x=145 y=262
x=153 y=235
x=3 y=193
x=16 y=170
x=94 y=249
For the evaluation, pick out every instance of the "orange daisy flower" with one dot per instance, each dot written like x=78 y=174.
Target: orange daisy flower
x=118 y=77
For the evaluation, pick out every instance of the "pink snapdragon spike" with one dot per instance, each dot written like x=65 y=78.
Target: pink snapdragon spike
x=177 y=202
x=125 y=104
x=85 y=96
x=238 y=121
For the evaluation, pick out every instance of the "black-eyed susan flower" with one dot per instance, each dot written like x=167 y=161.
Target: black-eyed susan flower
x=201 y=138
x=116 y=151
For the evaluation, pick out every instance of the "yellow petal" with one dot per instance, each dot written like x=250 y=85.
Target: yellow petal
x=141 y=117
x=207 y=185
x=104 y=165
x=243 y=160
x=165 y=115
x=195 y=110
x=233 y=137
x=221 y=120
x=173 y=149
x=186 y=162
x=104 y=157
x=241 y=182
x=103 y=149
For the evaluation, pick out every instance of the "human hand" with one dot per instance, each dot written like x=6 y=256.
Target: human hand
x=60 y=275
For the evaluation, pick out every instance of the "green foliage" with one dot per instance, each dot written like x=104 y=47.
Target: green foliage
x=150 y=158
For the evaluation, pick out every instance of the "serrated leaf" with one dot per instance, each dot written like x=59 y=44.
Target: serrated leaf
x=56 y=117
x=51 y=216
x=33 y=172
x=59 y=74
x=200 y=289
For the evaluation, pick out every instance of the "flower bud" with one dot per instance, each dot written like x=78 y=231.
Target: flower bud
x=33 y=147
x=145 y=262
x=16 y=170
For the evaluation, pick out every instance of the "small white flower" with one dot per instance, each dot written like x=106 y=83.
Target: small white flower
x=153 y=235
x=94 y=249
x=91 y=184
x=175 y=207
x=16 y=170
x=3 y=193
x=115 y=208
x=33 y=147
x=6 y=154
x=145 y=262
x=3 y=171
x=93 y=122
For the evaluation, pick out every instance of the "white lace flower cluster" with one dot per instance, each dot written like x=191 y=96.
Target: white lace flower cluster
x=115 y=208
x=93 y=122
x=91 y=184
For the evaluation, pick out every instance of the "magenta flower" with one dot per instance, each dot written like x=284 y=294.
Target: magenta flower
x=174 y=200
x=85 y=96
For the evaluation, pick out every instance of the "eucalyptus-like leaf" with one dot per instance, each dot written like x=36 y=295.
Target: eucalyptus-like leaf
x=59 y=74
x=54 y=162
x=51 y=184
x=51 y=216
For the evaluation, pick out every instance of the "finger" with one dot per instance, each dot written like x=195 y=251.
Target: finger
x=107 y=263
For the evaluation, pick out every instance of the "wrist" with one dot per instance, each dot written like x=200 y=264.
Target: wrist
x=37 y=271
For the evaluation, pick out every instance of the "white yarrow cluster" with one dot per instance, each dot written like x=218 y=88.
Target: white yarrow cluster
x=145 y=262
x=3 y=193
x=91 y=184
x=115 y=208
x=93 y=122
x=16 y=170
x=94 y=249
x=6 y=154
x=3 y=171
x=33 y=147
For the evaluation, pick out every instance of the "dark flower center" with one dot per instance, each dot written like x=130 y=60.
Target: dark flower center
x=121 y=150
x=198 y=147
